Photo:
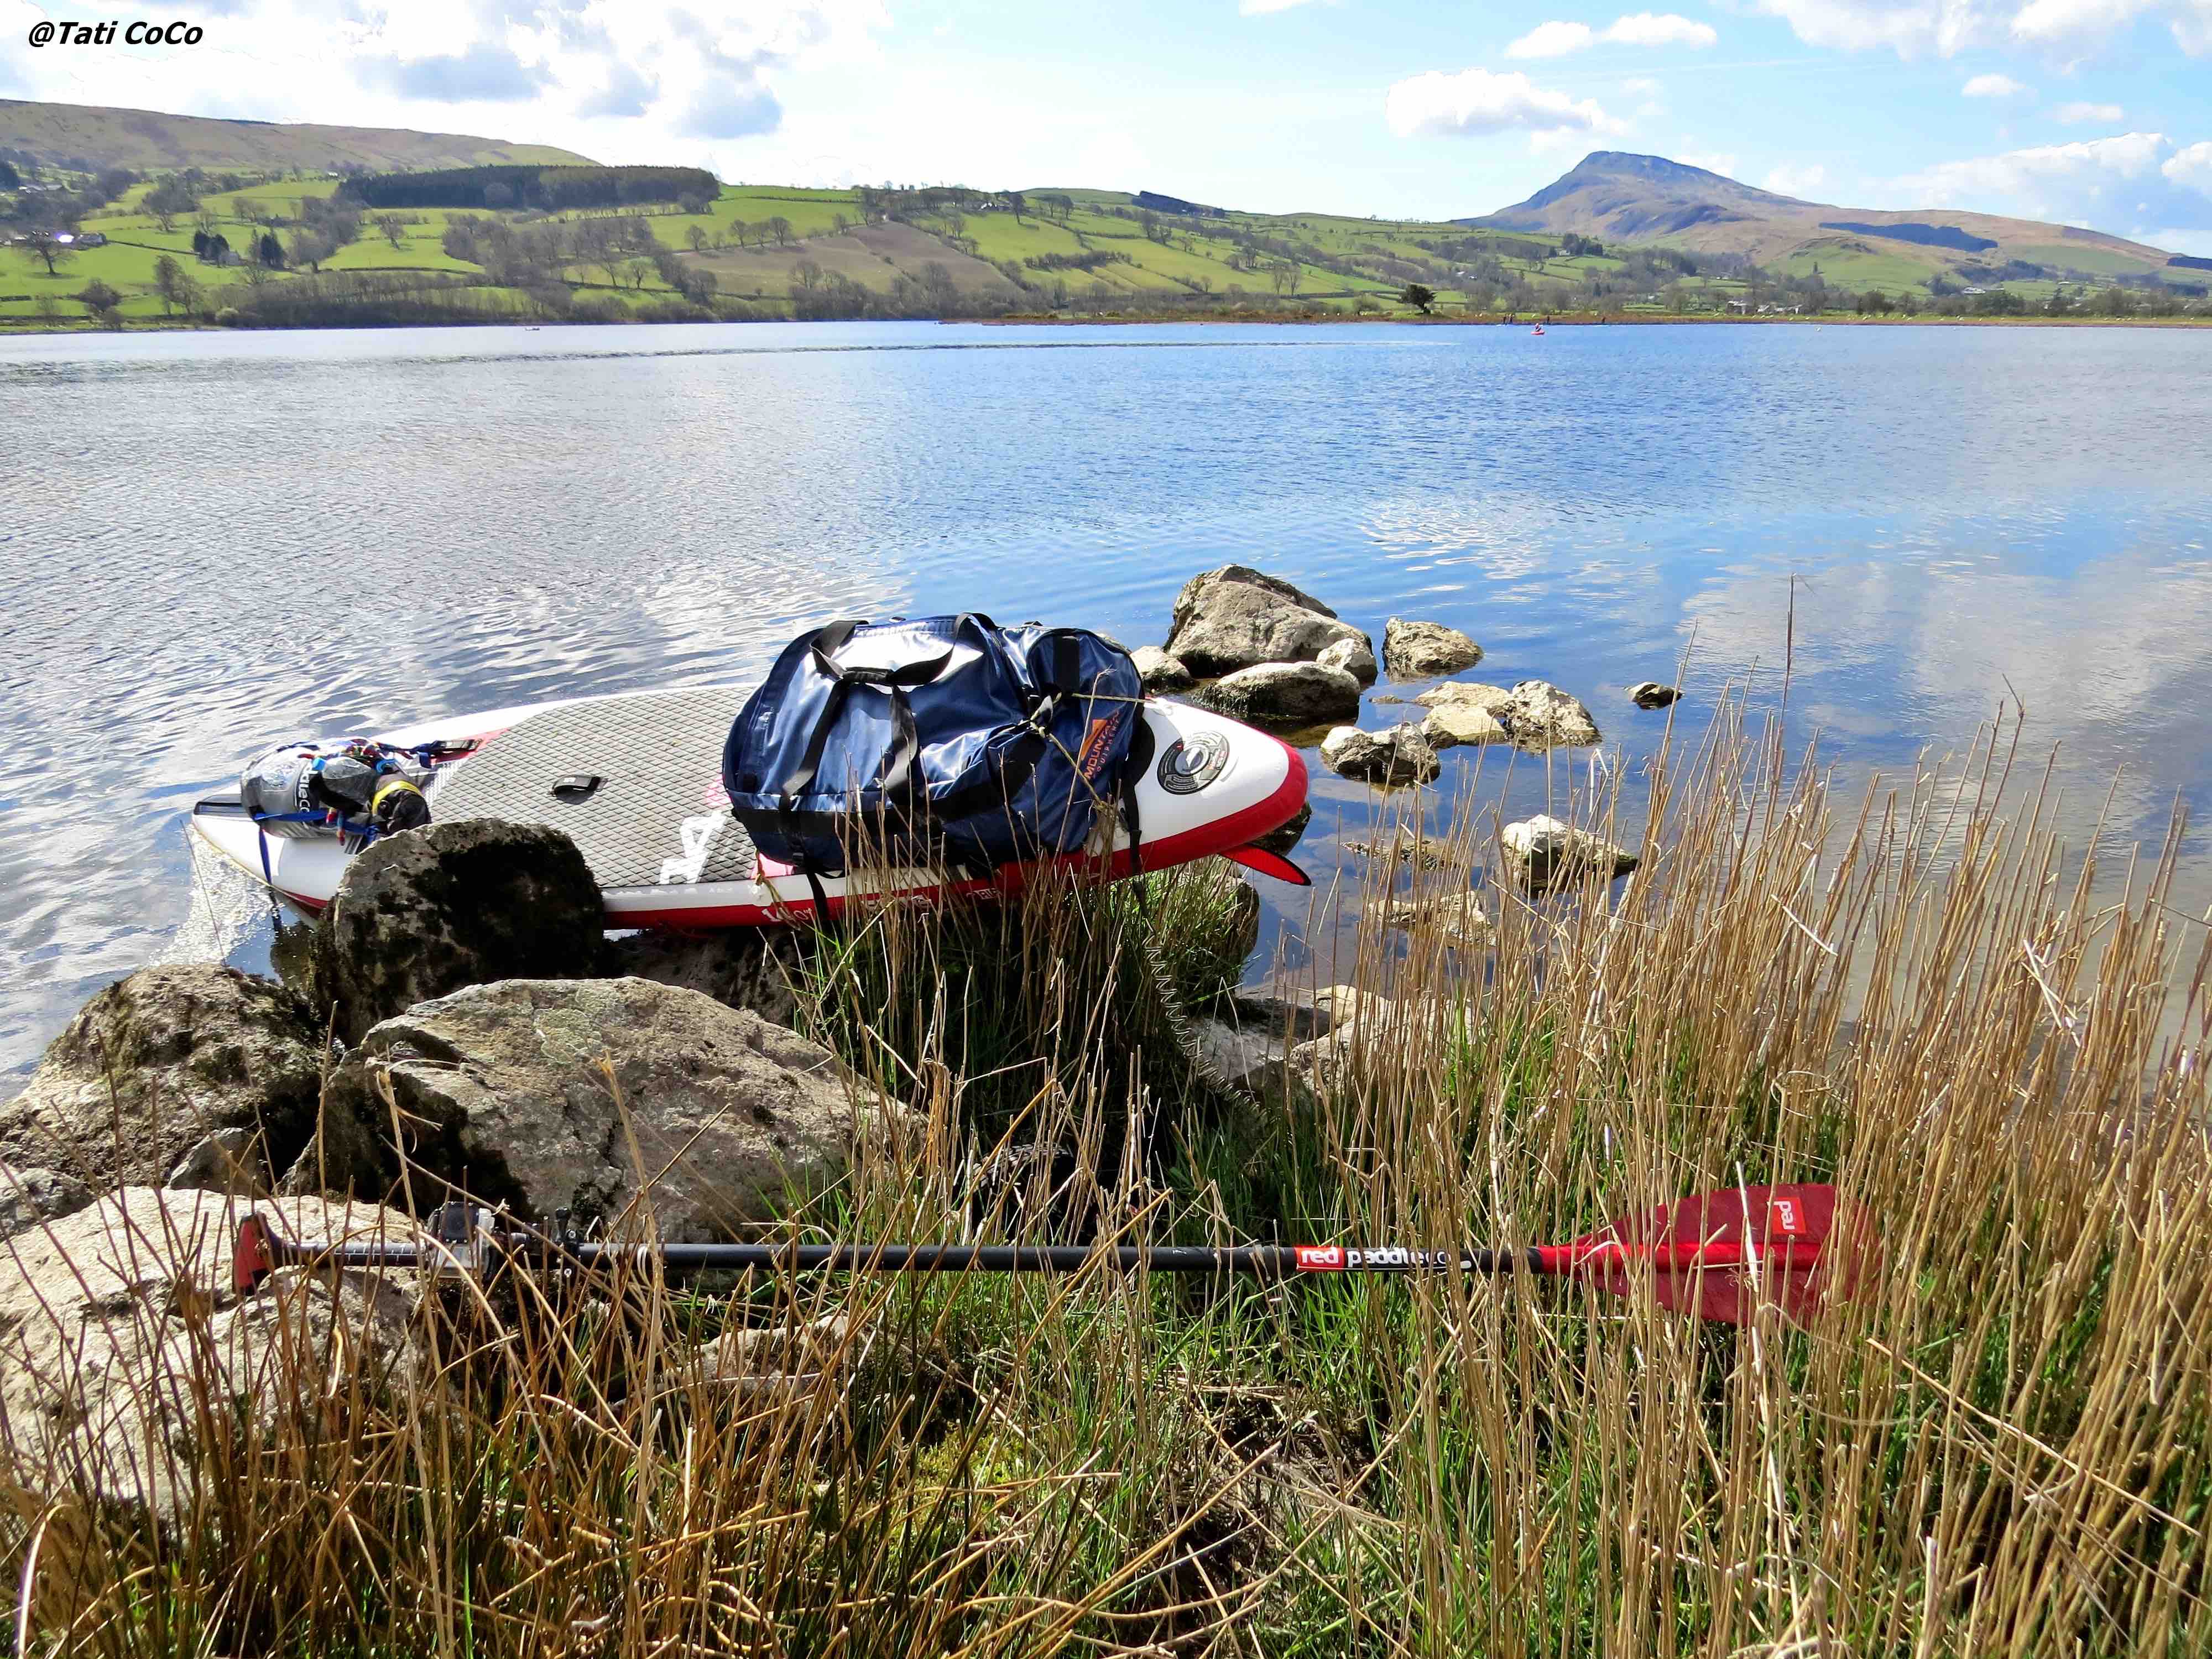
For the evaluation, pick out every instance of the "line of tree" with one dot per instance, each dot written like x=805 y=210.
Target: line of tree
x=543 y=188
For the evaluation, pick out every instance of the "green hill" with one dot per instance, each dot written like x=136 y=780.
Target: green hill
x=88 y=137
x=1648 y=200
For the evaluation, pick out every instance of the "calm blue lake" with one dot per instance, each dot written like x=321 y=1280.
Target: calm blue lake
x=214 y=541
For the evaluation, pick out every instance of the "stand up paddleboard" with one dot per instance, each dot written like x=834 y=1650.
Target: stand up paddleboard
x=635 y=782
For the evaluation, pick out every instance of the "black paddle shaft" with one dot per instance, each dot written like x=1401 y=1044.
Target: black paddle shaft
x=1258 y=1261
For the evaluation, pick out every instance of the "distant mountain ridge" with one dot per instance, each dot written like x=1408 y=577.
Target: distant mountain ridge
x=1617 y=197
x=92 y=136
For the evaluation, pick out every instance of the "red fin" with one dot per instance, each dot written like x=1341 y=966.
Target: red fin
x=1269 y=864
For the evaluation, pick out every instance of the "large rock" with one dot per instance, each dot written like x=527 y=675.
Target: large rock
x=1160 y=672
x=1287 y=695
x=160 y=1060
x=1421 y=852
x=1355 y=657
x=1391 y=759
x=29 y=1196
x=755 y=968
x=1236 y=616
x=122 y=1344
x=553 y=1094
x=1538 y=716
x=1544 y=852
x=1451 y=723
x=466 y=902
x=1423 y=650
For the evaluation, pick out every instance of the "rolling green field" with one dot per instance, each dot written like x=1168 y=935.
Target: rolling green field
x=768 y=249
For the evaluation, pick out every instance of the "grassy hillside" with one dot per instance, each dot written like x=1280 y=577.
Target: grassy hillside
x=1647 y=200
x=88 y=137
x=768 y=251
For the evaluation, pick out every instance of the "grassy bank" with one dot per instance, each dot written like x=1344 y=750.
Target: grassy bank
x=1998 y=1446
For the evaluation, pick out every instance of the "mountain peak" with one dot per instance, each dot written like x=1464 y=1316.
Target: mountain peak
x=1619 y=195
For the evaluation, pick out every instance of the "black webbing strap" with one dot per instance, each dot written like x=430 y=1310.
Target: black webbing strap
x=1134 y=768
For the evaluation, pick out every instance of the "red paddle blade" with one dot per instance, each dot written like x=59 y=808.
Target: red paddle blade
x=1269 y=864
x=253 y=1255
x=1721 y=1254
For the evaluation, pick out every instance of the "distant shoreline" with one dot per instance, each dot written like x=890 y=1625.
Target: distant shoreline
x=12 y=326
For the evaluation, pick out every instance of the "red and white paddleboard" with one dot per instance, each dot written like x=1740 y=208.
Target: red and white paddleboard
x=640 y=792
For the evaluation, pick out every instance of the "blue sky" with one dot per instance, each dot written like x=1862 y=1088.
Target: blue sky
x=2090 y=112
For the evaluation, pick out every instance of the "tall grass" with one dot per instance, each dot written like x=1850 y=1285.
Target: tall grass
x=1996 y=1446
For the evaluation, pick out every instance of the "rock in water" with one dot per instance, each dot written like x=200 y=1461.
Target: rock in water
x=1287 y=695
x=1538 y=716
x=1390 y=758
x=1457 y=918
x=1451 y=723
x=1489 y=698
x=468 y=903
x=1650 y=694
x=1423 y=650
x=1544 y=852
x=125 y=1346
x=1285 y=836
x=1354 y=657
x=1160 y=672
x=507 y=1091
x=1236 y=617
x=188 y=1049
x=29 y=1196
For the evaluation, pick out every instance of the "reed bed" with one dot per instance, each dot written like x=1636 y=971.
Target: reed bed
x=1996 y=1445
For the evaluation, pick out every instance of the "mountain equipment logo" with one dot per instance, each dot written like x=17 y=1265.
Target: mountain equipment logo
x=1091 y=761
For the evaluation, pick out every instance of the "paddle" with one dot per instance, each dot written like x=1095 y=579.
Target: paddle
x=1719 y=1254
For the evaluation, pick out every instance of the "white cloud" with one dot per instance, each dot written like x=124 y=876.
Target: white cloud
x=1642 y=85
x=1261 y=7
x=613 y=82
x=2136 y=185
x=1789 y=180
x=1477 y=101
x=1643 y=29
x=1914 y=29
x=2192 y=168
x=2075 y=114
x=1553 y=40
x=1994 y=86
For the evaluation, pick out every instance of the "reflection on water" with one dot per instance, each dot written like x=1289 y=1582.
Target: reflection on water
x=214 y=541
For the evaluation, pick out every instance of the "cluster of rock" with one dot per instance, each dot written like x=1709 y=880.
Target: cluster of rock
x=1260 y=649
x=466 y=1018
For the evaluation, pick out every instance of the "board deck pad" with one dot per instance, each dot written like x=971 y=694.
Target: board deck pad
x=659 y=818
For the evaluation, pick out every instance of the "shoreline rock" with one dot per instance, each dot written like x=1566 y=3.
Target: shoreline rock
x=1288 y=696
x=1234 y=617
x=508 y=1092
x=1422 y=650
x=1389 y=759
x=1543 y=852
x=471 y=902
x=158 y=1060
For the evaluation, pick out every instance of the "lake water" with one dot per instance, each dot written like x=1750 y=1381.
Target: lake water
x=211 y=542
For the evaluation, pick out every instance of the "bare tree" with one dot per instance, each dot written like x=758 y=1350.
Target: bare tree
x=45 y=243
x=697 y=237
x=394 y=229
x=779 y=227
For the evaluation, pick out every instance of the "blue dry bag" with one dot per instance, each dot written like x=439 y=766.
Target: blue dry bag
x=945 y=739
